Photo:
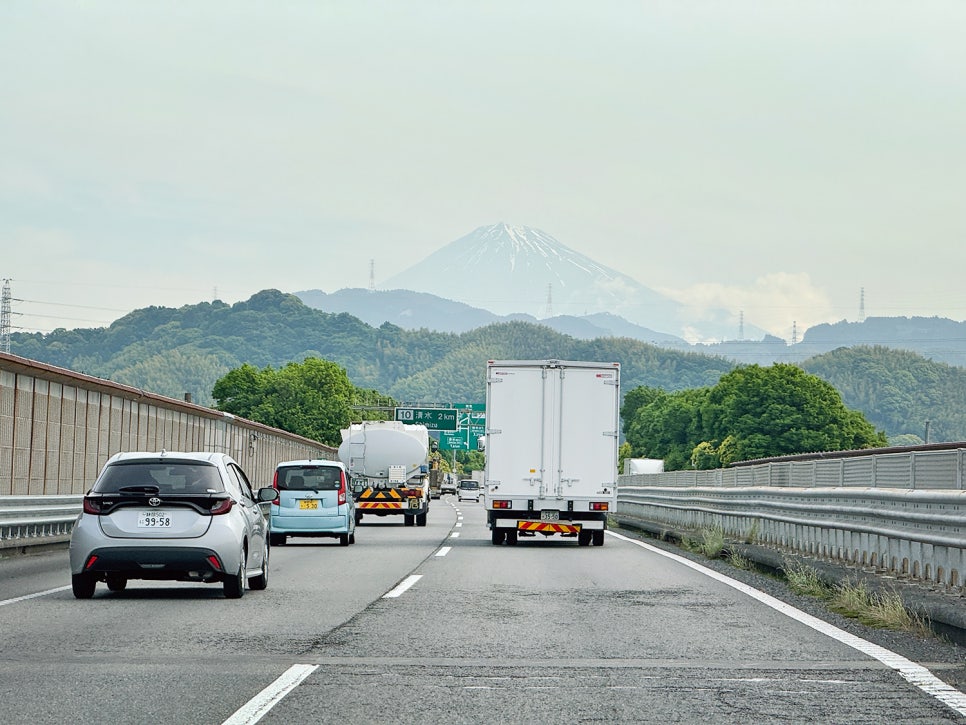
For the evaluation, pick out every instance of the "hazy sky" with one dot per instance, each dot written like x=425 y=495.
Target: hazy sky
x=771 y=157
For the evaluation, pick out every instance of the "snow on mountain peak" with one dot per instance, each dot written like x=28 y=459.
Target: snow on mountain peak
x=508 y=269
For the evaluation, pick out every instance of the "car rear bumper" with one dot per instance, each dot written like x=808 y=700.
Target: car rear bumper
x=153 y=562
x=312 y=525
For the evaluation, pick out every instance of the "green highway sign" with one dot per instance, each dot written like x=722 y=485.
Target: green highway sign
x=469 y=406
x=453 y=441
x=432 y=418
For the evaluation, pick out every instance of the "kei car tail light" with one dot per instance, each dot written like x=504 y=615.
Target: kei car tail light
x=598 y=506
x=221 y=506
x=275 y=486
x=343 y=488
x=91 y=506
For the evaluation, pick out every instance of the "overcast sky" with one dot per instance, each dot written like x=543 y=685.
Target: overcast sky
x=770 y=157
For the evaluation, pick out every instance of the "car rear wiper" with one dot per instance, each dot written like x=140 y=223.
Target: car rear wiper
x=139 y=489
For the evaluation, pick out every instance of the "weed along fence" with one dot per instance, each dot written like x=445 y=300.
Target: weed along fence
x=901 y=512
x=58 y=428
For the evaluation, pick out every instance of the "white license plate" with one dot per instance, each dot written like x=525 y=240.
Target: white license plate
x=548 y=515
x=154 y=520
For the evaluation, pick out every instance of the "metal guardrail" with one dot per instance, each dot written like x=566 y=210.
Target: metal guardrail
x=33 y=520
x=902 y=514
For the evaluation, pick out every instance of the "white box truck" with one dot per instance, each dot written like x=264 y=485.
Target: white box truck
x=551 y=448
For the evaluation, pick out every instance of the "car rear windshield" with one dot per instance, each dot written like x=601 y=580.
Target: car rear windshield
x=309 y=478
x=469 y=484
x=169 y=477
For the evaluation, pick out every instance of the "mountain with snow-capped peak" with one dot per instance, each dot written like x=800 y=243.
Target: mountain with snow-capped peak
x=514 y=269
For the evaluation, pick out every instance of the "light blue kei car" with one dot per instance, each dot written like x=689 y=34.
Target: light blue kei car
x=313 y=500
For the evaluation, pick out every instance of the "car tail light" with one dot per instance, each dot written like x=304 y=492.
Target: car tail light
x=598 y=506
x=91 y=506
x=275 y=486
x=501 y=504
x=343 y=488
x=221 y=506
x=215 y=563
x=90 y=561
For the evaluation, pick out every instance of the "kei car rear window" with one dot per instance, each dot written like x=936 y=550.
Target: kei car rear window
x=309 y=478
x=170 y=477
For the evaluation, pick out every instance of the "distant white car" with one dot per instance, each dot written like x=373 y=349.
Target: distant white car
x=468 y=490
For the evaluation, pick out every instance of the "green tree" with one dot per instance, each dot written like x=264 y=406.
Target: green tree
x=781 y=409
x=752 y=412
x=312 y=398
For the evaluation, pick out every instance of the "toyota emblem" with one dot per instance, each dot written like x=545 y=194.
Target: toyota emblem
x=154 y=501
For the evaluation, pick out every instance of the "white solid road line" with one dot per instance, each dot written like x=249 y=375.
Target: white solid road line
x=33 y=596
x=402 y=586
x=256 y=708
x=914 y=673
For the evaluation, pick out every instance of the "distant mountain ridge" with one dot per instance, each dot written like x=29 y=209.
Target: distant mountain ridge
x=185 y=350
x=934 y=338
x=520 y=270
x=421 y=310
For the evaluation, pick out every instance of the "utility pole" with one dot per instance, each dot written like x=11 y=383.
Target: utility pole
x=5 y=317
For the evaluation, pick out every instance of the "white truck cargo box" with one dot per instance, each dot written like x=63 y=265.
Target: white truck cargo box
x=551 y=448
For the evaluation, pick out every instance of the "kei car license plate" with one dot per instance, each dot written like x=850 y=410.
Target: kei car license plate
x=550 y=515
x=154 y=520
x=308 y=503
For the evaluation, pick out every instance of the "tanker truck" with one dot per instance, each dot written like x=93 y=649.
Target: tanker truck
x=388 y=464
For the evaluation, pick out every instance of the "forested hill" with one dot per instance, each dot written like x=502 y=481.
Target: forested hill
x=177 y=351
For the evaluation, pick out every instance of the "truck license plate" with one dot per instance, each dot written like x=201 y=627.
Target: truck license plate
x=550 y=515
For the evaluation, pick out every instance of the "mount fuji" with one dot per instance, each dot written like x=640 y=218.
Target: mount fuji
x=520 y=270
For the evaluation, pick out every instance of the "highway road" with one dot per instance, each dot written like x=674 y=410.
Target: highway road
x=435 y=625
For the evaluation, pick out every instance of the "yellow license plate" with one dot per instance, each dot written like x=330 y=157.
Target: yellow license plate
x=308 y=504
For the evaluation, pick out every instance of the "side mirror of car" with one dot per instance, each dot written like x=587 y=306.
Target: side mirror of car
x=267 y=494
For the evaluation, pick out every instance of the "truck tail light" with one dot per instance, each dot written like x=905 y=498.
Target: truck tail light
x=502 y=504
x=598 y=506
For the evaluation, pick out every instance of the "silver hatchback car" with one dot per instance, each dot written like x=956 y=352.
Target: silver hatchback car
x=171 y=516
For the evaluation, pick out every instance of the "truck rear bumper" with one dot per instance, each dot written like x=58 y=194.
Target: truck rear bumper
x=529 y=525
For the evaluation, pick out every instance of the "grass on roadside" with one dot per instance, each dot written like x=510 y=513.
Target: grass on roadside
x=854 y=600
